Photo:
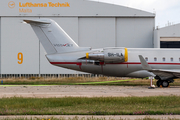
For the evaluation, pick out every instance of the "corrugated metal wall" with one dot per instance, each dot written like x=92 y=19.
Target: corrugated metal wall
x=97 y=32
x=18 y=38
x=135 y=32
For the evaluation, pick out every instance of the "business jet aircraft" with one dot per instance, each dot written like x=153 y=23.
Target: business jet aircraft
x=62 y=51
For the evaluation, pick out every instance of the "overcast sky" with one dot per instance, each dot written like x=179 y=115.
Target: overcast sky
x=166 y=10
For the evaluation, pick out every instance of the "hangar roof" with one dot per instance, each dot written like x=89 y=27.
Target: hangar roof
x=170 y=31
x=67 y=8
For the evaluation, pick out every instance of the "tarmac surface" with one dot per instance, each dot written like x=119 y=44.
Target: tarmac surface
x=85 y=117
x=84 y=91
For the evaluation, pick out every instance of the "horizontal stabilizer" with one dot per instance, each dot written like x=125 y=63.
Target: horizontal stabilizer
x=37 y=21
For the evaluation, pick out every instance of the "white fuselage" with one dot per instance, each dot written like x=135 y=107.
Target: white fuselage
x=156 y=58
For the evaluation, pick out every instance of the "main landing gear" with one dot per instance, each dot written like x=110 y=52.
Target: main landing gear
x=164 y=83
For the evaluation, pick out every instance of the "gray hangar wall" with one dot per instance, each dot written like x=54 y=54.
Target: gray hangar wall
x=167 y=34
x=90 y=24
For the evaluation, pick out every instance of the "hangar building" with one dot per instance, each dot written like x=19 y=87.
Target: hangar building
x=90 y=24
x=167 y=37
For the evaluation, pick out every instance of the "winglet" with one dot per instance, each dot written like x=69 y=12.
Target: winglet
x=144 y=64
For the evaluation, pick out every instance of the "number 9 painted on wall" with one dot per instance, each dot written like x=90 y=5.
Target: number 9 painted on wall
x=20 y=58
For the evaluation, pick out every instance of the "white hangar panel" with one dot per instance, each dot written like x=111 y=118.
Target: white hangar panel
x=96 y=32
x=135 y=32
x=70 y=26
x=17 y=37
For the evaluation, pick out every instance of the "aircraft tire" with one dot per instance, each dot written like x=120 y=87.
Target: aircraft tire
x=158 y=83
x=165 y=83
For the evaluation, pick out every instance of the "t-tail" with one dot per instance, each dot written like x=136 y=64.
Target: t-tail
x=53 y=38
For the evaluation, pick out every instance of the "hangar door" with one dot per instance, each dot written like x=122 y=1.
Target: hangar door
x=97 y=32
x=170 y=42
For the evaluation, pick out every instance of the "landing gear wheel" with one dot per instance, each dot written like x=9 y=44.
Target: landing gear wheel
x=165 y=83
x=158 y=83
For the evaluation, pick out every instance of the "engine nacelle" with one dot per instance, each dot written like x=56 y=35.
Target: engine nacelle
x=109 y=55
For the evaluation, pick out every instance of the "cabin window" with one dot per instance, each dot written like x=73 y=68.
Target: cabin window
x=155 y=59
x=179 y=59
x=171 y=59
x=164 y=59
x=146 y=59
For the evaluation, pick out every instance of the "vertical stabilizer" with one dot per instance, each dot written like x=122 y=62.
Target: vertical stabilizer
x=53 y=38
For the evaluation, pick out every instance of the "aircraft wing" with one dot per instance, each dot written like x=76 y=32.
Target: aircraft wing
x=162 y=73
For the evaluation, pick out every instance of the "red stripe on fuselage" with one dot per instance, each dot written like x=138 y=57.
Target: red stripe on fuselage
x=76 y=63
x=148 y=63
x=79 y=63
